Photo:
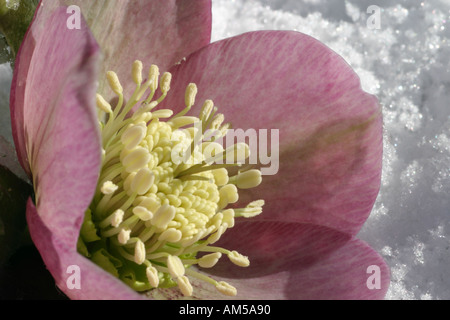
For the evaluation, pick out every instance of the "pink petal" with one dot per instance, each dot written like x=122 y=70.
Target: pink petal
x=153 y=31
x=55 y=121
x=330 y=130
x=59 y=258
x=301 y=261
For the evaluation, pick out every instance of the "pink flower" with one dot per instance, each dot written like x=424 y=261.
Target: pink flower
x=303 y=245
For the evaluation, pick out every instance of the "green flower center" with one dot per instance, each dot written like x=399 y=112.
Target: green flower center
x=164 y=189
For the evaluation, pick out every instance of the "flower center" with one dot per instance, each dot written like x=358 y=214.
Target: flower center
x=164 y=188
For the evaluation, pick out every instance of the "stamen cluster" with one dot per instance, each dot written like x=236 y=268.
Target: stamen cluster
x=162 y=198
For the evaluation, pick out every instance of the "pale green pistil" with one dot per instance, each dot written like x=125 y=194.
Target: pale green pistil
x=151 y=214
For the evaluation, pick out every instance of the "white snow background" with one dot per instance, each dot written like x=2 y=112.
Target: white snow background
x=405 y=63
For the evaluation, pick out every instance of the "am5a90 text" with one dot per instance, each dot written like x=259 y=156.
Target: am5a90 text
x=244 y=309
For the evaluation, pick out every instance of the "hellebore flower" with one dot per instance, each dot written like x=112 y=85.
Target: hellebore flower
x=302 y=246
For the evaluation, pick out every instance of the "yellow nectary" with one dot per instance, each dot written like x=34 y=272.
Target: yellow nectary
x=161 y=196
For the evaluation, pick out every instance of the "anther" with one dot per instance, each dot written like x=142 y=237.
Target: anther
x=152 y=276
x=237 y=153
x=153 y=76
x=139 y=252
x=170 y=235
x=191 y=92
x=182 y=121
x=206 y=110
x=238 y=259
x=134 y=135
x=124 y=236
x=209 y=260
x=248 y=179
x=228 y=217
x=163 y=216
x=185 y=286
x=136 y=159
x=137 y=72
x=166 y=78
x=102 y=104
x=115 y=219
x=114 y=82
x=216 y=235
x=212 y=151
x=162 y=114
x=142 y=213
x=175 y=266
x=108 y=187
x=220 y=176
x=217 y=121
x=224 y=129
x=253 y=209
x=142 y=181
x=148 y=202
x=226 y=289
x=228 y=194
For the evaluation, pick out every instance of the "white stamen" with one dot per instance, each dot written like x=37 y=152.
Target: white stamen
x=175 y=266
x=117 y=218
x=137 y=72
x=152 y=276
x=238 y=259
x=228 y=217
x=228 y=194
x=139 y=252
x=162 y=114
x=153 y=76
x=185 y=286
x=142 y=213
x=165 y=82
x=102 y=104
x=163 y=216
x=220 y=176
x=114 y=82
x=142 y=181
x=237 y=153
x=216 y=235
x=108 y=188
x=213 y=151
x=134 y=135
x=149 y=203
x=226 y=289
x=248 y=179
x=206 y=110
x=253 y=209
x=217 y=121
x=136 y=159
x=191 y=92
x=124 y=236
x=170 y=235
x=209 y=260
x=182 y=121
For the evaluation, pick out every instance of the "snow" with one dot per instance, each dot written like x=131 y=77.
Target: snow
x=405 y=61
